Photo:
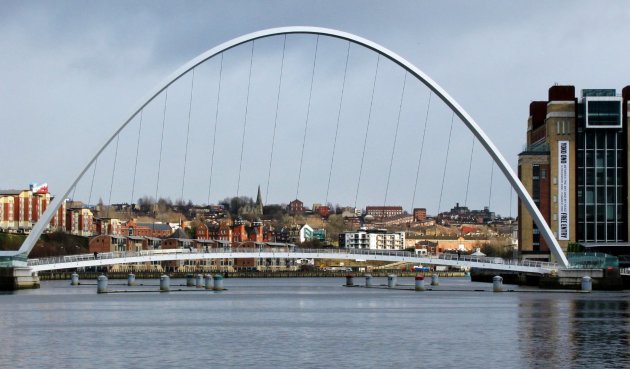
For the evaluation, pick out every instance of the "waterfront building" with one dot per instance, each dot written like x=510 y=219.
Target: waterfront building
x=373 y=239
x=575 y=166
x=21 y=209
x=80 y=222
x=108 y=226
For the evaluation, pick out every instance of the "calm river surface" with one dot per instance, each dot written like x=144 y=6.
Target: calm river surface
x=312 y=323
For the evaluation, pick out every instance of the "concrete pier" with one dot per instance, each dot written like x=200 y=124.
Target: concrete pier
x=391 y=280
x=209 y=281
x=218 y=283
x=420 y=283
x=74 y=279
x=435 y=280
x=18 y=278
x=497 y=284
x=368 y=280
x=350 y=280
x=165 y=283
x=587 y=284
x=101 y=284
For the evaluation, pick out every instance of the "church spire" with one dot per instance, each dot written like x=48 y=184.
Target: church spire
x=259 y=203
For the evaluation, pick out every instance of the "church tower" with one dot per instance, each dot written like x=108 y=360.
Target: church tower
x=259 y=203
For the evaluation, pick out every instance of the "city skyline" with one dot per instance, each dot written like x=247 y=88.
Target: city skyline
x=95 y=76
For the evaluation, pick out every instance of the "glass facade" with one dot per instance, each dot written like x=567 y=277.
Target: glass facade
x=601 y=177
x=603 y=113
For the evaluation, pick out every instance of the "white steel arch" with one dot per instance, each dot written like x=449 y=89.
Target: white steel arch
x=548 y=236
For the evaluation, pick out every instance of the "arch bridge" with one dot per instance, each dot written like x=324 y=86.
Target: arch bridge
x=409 y=68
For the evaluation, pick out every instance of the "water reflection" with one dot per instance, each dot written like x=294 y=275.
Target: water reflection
x=578 y=332
x=599 y=332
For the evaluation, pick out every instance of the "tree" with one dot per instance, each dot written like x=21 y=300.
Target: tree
x=312 y=244
x=145 y=204
x=575 y=247
x=274 y=211
x=334 y=226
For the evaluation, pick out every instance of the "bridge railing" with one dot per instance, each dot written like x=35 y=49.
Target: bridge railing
x=254 y=250
x=498 y=260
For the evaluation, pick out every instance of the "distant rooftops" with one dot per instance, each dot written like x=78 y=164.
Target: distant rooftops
x=11 y=192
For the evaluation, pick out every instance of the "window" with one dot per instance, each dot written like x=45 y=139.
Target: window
x=603 y=112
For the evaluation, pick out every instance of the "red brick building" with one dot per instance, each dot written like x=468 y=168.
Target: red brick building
x=296 y=207
x=21 y=209
x=80 y=222
x=380 y=212
x=108 y=226
x=134 y=228
x=419 y=214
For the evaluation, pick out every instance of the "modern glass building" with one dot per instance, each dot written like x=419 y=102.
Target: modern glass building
x=575 y=166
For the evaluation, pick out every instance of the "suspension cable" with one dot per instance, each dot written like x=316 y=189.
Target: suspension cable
x=448 y=147
x=391 y=160
x=249 y=82
x=157 y=183
x=74 y=191
x=472 y=150
x=367 y=130
x=111 y=185
x=192 y=87
x=424 y=132
x=275 y=121
x=92 y=184
x=135 y=167
x=343 y=87
x=308 y=112
x=216 y=120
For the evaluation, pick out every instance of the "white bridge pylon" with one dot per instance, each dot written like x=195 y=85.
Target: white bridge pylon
x=453 y=260
x=498 y=158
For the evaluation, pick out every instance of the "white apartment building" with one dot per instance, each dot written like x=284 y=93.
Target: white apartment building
x=373 y=239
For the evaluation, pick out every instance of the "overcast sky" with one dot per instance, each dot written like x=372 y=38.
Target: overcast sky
x=71 y=72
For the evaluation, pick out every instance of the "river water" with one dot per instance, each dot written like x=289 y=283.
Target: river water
x=312 y=323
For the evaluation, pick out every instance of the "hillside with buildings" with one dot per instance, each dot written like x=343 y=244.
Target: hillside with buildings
x=245 y=222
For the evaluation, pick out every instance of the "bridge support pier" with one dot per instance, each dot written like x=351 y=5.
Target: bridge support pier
x=497 y=284
x=218 y=283
x=350 y=280
x=18 y=278
x=209 y=281
x=391 y=281
x=435 y=280
x=74 y=279
x=420 y=283
x=368 y=280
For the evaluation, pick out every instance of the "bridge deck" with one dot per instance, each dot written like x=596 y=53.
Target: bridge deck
x=111 y=258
